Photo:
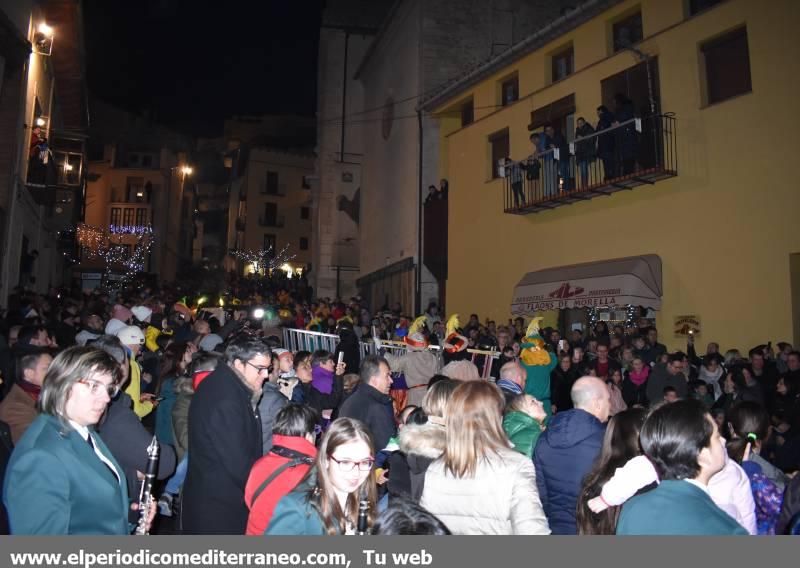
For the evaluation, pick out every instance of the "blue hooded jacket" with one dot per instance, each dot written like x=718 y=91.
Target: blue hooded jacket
x=563 y=456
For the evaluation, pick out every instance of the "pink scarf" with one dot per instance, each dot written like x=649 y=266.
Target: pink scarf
x=639 y=378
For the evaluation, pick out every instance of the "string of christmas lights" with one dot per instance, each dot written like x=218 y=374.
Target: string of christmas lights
x=262 y=260
x=113 y=246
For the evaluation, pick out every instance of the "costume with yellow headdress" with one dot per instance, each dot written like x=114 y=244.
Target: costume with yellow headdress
x=538 y=363
x=418 y=364
x=454 y=342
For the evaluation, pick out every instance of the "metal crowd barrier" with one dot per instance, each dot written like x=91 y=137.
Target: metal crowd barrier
x=304 y=340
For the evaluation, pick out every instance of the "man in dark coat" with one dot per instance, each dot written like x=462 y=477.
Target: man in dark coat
x=670 y=375
x=606 y=142
x=224 y=440
x=567 y=450
x=371 y=403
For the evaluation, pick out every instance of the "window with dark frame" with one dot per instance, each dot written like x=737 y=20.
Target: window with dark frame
x=141 y=217
x=270 y=214
x=272 y=183
x=303 y=243
x=305 y=213
x=697 y=6
x=563 y=63
x=727 y=66
x=628 y=31
x=269 y=242
x=127 y=216
x=306 y=183
x=467 y=113
x=509 y=90
x=500 y=149
x=116 y=216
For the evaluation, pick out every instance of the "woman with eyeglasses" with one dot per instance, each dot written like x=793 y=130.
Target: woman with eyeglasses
x=326 y=502
x=61 y=478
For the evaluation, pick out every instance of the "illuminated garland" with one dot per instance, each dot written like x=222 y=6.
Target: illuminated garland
x=263 y=260
x=112 y=246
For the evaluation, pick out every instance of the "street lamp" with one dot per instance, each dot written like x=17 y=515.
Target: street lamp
x=186 y=170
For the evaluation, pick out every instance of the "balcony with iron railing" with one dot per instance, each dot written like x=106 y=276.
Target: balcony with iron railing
x=278 y=190
x=278 y=221
x=637 y=152
x=49 y=169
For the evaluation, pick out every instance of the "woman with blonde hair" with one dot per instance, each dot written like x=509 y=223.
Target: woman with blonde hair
x=480 y=485
x=421 y=444
x=326 y=501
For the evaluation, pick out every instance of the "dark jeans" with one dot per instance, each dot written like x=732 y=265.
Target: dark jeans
x=609 y=171
x=519 y=195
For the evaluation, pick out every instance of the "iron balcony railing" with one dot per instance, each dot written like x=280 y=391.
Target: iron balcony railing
x=277 y=221
x=636 y=152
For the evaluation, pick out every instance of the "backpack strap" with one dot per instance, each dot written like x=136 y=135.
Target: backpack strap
x=295 y=459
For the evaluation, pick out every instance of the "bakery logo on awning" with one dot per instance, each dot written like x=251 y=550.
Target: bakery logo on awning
x=566 y=291
x=566 y=296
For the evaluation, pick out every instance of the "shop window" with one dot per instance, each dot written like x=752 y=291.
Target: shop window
x=727 y=66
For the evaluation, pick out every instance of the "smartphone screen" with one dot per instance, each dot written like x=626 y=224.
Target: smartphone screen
x=341 y=357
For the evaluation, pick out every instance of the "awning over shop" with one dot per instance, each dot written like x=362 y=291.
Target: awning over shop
x=633 y=280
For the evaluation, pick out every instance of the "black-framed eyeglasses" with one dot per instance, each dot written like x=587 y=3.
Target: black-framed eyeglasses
x=259 y=368
x=349 y=465
x=95 y=387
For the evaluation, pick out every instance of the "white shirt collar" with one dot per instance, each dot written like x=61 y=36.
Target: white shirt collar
x=698 y=484
x=82 y=430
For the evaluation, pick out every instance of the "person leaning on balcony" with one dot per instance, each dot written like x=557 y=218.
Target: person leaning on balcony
x=625 y=135
x=605 y=142
x=585 y=150
x=514 y=175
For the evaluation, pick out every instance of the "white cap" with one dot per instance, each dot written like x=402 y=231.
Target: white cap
x=113 y=326
x=142 y=313
x=131 y=335
x=209 y=342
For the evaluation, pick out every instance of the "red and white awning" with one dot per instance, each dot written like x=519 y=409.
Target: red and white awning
x=633 y=280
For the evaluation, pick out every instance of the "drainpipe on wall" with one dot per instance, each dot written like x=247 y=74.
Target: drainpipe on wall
x=418 y=291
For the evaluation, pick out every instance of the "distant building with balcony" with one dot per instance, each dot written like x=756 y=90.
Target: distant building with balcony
x=270 y=162
x=44 y=121
x=684 y=203
x=270 y=204
x=137 y=178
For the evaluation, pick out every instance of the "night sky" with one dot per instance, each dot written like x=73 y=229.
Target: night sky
x=191 y=64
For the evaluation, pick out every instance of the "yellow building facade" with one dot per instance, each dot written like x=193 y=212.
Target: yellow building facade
x=725 y=227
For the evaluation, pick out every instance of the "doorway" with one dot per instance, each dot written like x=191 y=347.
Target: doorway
x=634 y=83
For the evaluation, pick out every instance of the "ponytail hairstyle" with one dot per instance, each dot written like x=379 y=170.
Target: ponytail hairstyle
x=748 y=424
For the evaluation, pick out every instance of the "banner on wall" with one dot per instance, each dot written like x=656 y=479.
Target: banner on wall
x=687 y=325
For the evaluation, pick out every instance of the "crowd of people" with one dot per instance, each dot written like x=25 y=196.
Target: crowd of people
x=589 y=433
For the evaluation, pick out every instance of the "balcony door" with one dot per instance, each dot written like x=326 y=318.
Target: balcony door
x=633 y=83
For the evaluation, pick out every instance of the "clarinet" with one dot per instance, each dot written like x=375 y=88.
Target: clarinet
x=146 y=491
x=363 y=517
